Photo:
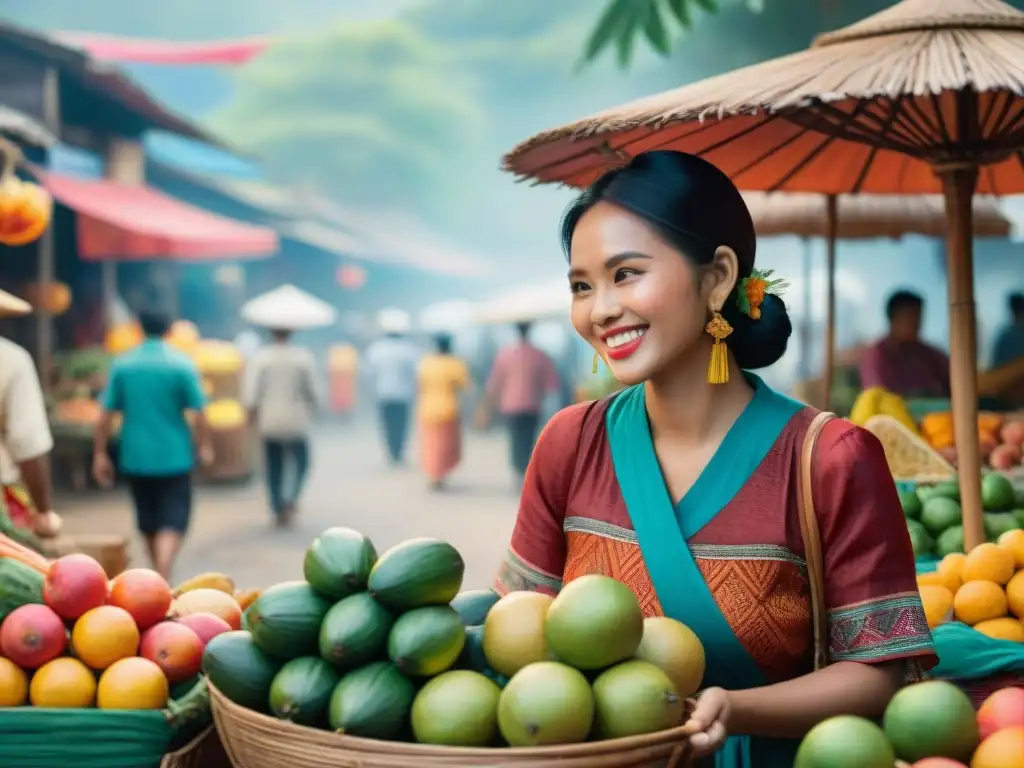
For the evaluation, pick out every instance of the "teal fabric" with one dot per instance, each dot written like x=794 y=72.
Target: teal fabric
x=926 y=564
x=965 y=654
x=662 y=528
x=152 y=386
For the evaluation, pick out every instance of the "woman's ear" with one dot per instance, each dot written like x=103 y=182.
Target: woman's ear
x=721 y=275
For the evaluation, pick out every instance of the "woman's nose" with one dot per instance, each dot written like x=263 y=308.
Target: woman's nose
x=605 y=307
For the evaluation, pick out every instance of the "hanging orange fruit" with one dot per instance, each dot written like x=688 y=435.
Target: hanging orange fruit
x=53 y=298
x=25 y=207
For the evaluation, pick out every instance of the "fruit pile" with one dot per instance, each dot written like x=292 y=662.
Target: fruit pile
x=389 y=648
x=983 y=589
x=1001 y=438
x=935 y=521
x=70 y=638
x=927 y=725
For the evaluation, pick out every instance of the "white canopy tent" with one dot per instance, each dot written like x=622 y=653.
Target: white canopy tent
x=289 y=307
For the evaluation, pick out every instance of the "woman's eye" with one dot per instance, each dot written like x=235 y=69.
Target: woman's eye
x=623 y=272
x=577 y=286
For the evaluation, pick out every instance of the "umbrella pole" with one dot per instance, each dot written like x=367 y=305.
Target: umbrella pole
x=831 y=228
x=958 y=183
x=805 y=326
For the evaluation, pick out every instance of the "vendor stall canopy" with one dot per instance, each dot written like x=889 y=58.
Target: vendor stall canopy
x=289 y=308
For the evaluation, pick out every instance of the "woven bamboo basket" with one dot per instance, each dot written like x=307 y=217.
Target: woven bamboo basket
x=253 y=740
x=232 y=455
x=204 y=751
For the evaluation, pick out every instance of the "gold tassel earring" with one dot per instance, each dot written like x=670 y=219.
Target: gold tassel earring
x=596 y=358
x=718 y=369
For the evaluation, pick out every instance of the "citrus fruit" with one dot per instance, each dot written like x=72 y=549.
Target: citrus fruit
x=595 y=621
x=63 y=684
x=673 y=647
x=1003 y=749
x=1008 y=628
x=546 y=703
x=132 y=683
x=932 y=719
x=514 y=632
x=845 y=742
x=978 y=601
x=144 y=593
x=937 y=578
x=633 y=698
x=988 y=562
x=104 y=635
x=13 y=684
x=456 y=709
x=1013 y=542
x=938 y=604
x=952 y=565
x=1015 y=595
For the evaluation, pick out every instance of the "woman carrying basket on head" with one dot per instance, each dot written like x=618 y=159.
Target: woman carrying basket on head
x=684 y=486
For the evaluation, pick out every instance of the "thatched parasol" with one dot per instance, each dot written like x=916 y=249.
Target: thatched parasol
x=926 y=96
x=859 y=217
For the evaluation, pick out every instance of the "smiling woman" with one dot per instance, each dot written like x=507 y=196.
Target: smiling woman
x=689 y=485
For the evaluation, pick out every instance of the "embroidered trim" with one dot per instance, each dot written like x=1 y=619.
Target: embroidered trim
x=599 y=528
x=515 y=574
x=876 y=630
x=773 y=552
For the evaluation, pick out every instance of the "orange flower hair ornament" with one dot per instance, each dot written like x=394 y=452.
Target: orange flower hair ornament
x=753 y=289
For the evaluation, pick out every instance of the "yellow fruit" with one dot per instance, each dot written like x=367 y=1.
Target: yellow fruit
x=1002 y=629
x=218 y=581
x=63 y=684
x=938 y=579
x=677 y=651
x=978 y=601
x=988 y=562
x=1015 y=595
x=1013 y=542
x=103 y=635
x=133 y=683
x=952 y=566
x=13 y=684
x=938 y=604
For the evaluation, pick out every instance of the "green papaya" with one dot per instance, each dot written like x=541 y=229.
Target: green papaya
x=338 y=562
x=286 y=619
x=355 y=632
x=416 y=573
x=372 y=702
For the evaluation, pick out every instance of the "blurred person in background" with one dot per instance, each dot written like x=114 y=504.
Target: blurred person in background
x=391 y=363
x=25 y=442
x=281 y=392
x=1009 y=344
x=442 y=377
x=900 y=361
x=520 y=379
x=155 y=387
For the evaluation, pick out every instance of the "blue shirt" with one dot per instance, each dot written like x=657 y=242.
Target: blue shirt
x=152 y=386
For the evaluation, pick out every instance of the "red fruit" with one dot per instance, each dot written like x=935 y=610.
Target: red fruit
x=1003 y=709
x=173 y=647
x=206 y=625
x=937 y=762
x=75 y=584
x=144 y=594
x=32 y=635
x=1013 y=433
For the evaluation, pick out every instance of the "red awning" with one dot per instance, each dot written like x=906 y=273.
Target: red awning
x=125 y=222
x=128 y=50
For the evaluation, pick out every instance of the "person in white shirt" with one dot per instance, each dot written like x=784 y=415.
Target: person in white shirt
x=392 y=362
x=25 y=444
x=282 y=394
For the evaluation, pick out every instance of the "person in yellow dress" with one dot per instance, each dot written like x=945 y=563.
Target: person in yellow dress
x=442 y=378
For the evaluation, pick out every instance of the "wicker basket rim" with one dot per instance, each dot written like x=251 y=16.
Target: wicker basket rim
x=680 y=733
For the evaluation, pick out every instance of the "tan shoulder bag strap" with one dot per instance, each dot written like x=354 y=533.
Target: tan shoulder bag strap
x=812 y=539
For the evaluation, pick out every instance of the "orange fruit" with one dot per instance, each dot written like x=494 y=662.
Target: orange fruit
x=1003 y=749
x=133 y=683
x=936 y=578
x=1007 y=628
x=952 y=566
x=978 y=601
x=63 y=684
x=1015 y=595
x=988 y=562
x=13 y=684
x=938 y=604
x=1013 y=542
x=104 y=635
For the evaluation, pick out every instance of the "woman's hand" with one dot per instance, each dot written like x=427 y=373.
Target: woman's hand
x=711 y=720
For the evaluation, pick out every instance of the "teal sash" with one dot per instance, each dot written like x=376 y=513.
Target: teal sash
x=663 y=528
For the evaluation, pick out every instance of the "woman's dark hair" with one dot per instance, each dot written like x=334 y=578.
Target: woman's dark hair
x=695 y=208
x=444 y=344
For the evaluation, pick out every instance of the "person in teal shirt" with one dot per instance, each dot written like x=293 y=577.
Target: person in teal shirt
x=154 y=387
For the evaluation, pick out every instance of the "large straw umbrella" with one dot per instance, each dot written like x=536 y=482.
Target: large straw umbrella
x=925 y=96
x=859 y=217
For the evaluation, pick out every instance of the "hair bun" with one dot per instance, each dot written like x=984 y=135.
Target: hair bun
x=762 y=342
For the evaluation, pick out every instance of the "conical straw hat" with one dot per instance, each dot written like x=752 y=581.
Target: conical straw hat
x=12 y=306
x=288 y=308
